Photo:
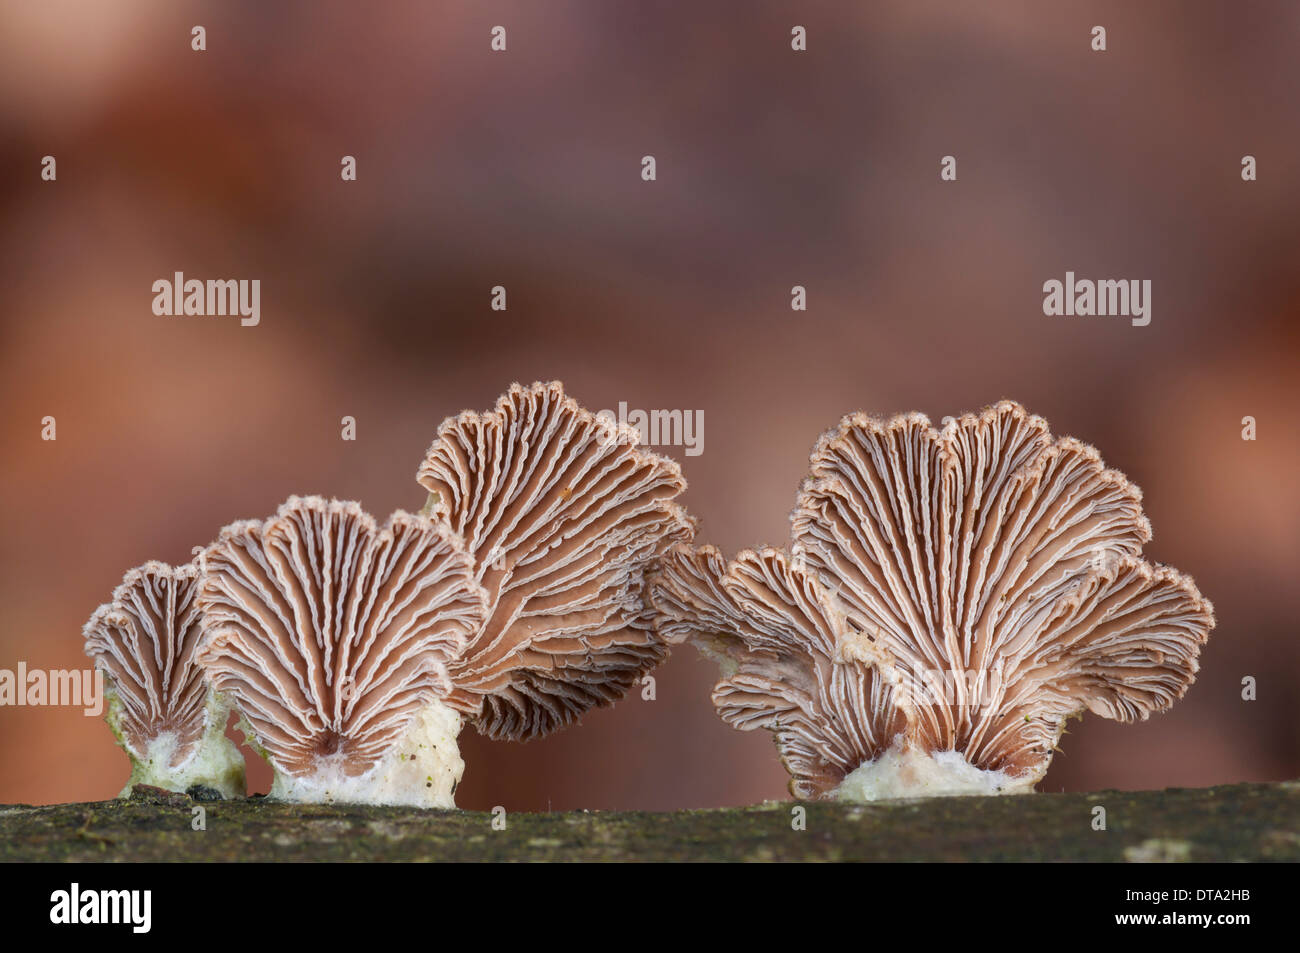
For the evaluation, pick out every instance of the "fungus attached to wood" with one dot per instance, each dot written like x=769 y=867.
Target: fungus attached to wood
x=951 y=598
x=333 y=636
x=563 y=514
x=160 y=707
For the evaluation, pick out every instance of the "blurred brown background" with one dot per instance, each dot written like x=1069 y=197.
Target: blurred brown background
x=522 y=169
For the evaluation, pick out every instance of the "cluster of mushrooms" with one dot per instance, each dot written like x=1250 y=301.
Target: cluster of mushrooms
x=948 y=599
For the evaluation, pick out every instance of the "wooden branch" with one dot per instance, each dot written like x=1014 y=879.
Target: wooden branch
x=1242 y=822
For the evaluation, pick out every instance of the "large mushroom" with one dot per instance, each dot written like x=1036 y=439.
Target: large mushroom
x=563 y=514
x=950 y=599
x=162 y=711
x=333 y=637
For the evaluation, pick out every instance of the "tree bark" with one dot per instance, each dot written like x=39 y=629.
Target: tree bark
x=1242 y=822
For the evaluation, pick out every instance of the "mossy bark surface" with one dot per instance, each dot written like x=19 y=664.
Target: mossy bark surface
x=1243 y=822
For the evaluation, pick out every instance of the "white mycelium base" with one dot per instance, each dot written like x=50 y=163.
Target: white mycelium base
x=421 y=770
x=909 y=773
x=217 y=762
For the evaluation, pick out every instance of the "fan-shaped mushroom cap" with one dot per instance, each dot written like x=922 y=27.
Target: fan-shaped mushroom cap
x=563 y=514
x=773 y=629
x=333 y=637
x=171 y=725
x=989 y=576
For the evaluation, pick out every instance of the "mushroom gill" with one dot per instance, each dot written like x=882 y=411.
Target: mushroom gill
x=563 y=514
x=975 y=586
x=160 y=708
x=333 y=636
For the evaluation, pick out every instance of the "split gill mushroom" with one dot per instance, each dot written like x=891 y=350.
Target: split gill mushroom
x=563 y=515
x=333 y=636
x=949 y=599
x=516 y=599
x=161 y=709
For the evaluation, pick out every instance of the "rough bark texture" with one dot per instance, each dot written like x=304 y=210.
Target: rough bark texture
x=1240 y=822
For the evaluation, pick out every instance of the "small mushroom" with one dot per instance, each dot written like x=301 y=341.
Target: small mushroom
x=333 y=637
x=162 y=711
x=563 y=514
x=952 y=598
